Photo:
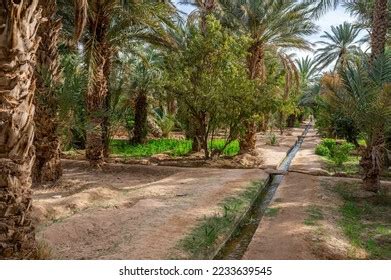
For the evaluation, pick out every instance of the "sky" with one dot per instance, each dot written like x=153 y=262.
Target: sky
x=334 y=17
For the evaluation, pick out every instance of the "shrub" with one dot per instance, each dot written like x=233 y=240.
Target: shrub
x=272 y=140
x=340 y=153
x=329 y=143
x=322 y=151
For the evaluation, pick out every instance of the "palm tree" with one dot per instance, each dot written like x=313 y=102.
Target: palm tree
x=308 y=70
x=102 y=41
x=338 y=46
x=18 y=46
x=363 y=90
x=280 y=25
x=47 y=167
x=143 y=84
x=380 y=20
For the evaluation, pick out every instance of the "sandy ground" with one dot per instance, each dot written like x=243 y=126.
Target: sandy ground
x=273 y=155
x=130 y=212
x=285 y=235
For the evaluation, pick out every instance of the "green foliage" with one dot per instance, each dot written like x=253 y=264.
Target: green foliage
x=340 y=153
x=321 y=150
x=221 y=145
x=170 y=146
x=209 y=79
x=272 y=139
x=152 y=147
x=329 y=143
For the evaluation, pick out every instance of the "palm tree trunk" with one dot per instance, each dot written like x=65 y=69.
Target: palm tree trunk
x=19 y=21
x=98 y=24
x=379 y=28
x=140 y=120
x=107 y=104
x=47 y=167
x=256 y=70
x=372 y=162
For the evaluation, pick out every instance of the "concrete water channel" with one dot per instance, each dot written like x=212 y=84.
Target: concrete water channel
x=236 y=246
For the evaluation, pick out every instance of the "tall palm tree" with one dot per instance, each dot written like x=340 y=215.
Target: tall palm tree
x=102 y=41
x=143 y=83
x=280 y=25
x=338 y=46
x=380 y=21
x=18 y=45
x=47 y=167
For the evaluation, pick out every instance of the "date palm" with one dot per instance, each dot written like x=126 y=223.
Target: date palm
x=338 y=47
x=380 y=20
x=19 y=21
x=277 y=25
x=363 y=90
x=47 y=167
x=110 y=27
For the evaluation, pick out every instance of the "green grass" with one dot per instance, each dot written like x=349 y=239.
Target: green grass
x=173 y=147
x=231 y=150
x=201 y=242
x=314 y=215
x=366 y=221
x=351 y=167
x=152 y=147
x=272 y=211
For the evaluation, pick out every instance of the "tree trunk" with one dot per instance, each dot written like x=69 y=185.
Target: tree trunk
x=372 y=162
x=256 y=70
x=140 y=119
x=106 y=119
x=379 y=28
x=19 y=21
x=248 y=141
x=98 y=24
x=47 y=167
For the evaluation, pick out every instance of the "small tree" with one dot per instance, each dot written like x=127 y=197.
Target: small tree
x=209 y=79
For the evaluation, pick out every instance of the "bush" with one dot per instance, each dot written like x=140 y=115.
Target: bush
x=340 y=153
x=329 y=143
x=322 y=151
x=272 y=140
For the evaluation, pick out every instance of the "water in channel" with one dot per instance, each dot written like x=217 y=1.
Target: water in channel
x=235 y=248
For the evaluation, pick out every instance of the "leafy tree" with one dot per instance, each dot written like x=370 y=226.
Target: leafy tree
x=277 y=25
x=209 y=80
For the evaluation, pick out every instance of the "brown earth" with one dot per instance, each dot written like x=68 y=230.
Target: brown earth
x=130 y=212
x=289 y=233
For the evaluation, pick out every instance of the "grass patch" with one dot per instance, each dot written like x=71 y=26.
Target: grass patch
x=315 y=214
x=366 y=221
x=172 y=147
x=202 y=241
x=350 y=167
x=232 y=148
x=272 y=212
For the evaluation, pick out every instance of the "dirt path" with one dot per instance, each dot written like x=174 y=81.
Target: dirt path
x=273 y=155
x=284 y=234
x=126 y=213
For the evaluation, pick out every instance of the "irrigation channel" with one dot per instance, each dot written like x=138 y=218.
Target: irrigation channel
x=235 y=247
